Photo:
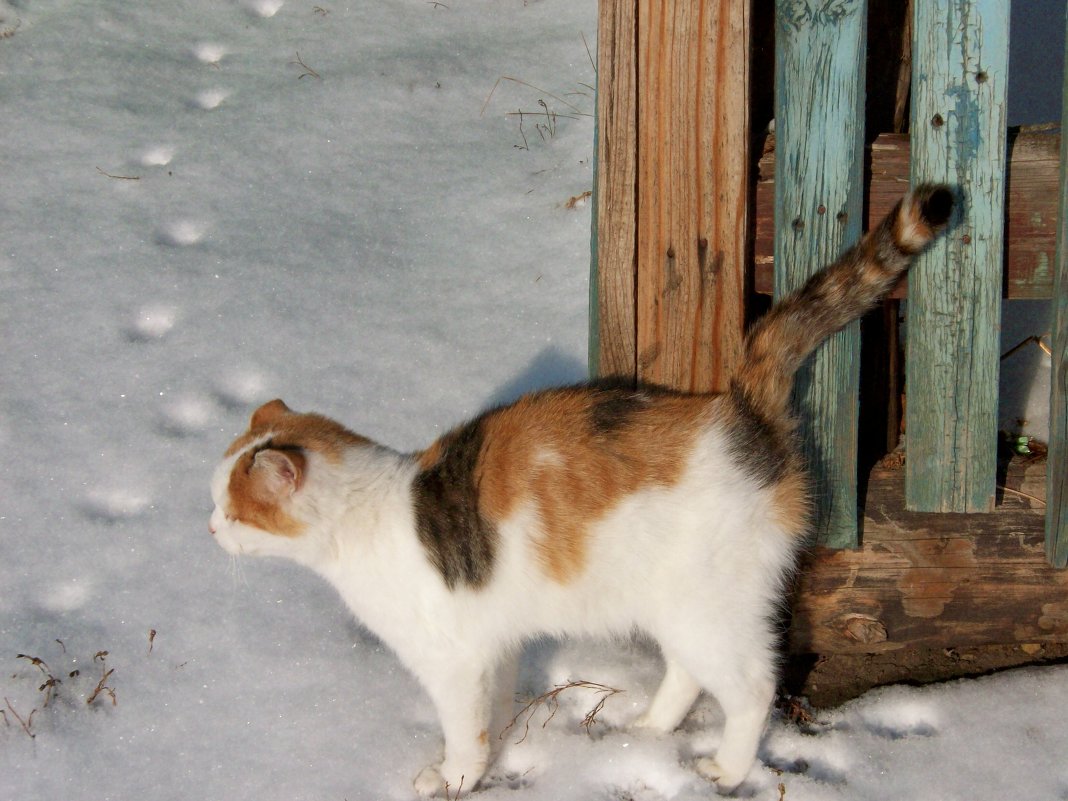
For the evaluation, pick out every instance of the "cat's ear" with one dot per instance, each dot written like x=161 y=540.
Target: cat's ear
x=269 y=412
x=281 y=472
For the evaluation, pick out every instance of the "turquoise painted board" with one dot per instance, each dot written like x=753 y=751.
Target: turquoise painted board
x=958 y=126
x=819 y=143
x=1057 y=461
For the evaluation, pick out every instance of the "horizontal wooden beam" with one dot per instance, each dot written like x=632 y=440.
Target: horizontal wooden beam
x=1031 y=203
x=935 y=580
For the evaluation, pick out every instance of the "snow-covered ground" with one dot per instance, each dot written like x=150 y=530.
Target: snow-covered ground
x=193 y=221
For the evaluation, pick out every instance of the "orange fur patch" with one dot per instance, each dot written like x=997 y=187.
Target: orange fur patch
x=910 y=231
x=430 y=456
x=546 y=449
x=791 y=505
x=252 y=503
x=250 y=500
x=289 y=429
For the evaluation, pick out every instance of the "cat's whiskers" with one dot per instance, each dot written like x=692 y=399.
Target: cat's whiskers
x=237 y=571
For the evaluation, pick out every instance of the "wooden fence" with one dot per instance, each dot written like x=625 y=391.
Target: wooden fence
x=947 y=549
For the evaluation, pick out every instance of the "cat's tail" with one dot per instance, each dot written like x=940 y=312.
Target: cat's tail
x=782 y=339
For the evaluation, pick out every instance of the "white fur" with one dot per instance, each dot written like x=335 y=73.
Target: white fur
x=698 y=566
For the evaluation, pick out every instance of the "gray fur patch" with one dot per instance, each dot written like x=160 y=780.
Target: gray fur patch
x=755 y=443
x=460 y=543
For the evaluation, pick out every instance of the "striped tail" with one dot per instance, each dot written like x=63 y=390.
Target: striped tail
x=782 y=339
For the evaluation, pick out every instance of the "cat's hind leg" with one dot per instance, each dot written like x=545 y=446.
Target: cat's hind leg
x=736 y=665
x=747 y=715
x=678 y=690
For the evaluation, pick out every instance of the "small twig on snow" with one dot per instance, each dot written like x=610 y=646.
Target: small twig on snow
x=26 y=724
x=551 y=699
x=119 y=177
x=307 y=70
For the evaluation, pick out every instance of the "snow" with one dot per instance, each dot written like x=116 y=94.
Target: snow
x=191 y=223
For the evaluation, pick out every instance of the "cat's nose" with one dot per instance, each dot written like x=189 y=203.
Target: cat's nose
x=211 y=528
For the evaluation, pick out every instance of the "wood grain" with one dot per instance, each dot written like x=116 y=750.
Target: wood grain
x=1033 y=189
x=693 y=190
x=819 y=113
x=934 y=579
x=613 y=279
x=960 y=52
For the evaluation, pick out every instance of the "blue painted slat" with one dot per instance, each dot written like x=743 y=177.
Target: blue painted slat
x=958 y=127
x=819 y=120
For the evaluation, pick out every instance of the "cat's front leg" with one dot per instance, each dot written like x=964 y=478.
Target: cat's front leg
x=462 y=695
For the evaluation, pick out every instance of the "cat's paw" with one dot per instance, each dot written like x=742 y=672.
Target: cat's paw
x=430 y=783
x=726 y=781
x=651 y=723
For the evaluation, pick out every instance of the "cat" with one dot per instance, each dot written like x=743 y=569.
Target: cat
x=593 y=509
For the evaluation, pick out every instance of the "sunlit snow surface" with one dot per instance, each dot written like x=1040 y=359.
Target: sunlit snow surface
x=207 y=204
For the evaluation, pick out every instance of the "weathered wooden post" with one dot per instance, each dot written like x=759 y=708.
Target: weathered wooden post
x=1057 y=462
x=960 y=70
x=819 y=132
x=668 y=283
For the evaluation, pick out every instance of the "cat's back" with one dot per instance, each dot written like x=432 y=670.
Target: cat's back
x=564 y=459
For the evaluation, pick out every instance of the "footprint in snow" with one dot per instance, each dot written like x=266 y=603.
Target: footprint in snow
x=264 y=8
x=240 y=388
x=812 y=766
x=113 y=504
x=510 y=779
x=901 y=720
x=181 y=233
x=65 y=596
x=153 y=321
x=186 y=415
x=209 y=53
x=209 y=99
x=157 y=156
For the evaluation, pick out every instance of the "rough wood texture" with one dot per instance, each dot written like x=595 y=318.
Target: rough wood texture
x=614 y=268
x=1057 y=480
x=692 y=190
x=1033 y=189
x=819 y=113
x=934 y=580
x=954 y=313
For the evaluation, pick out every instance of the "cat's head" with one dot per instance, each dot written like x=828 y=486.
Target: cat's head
x=272 y=489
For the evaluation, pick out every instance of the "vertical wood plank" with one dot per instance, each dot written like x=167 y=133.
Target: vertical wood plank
x=692 y=180
x=1057 y=462
x=614 y=270
x=819 y=119
x=960 y=63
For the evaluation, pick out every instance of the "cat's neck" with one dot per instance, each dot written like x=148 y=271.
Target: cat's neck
x=374 y=557
x=358 y=503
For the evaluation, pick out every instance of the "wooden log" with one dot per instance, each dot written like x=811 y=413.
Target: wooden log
x=819 y=113
x=692 y=190
x=614 y=258
x=939 y=580
x=954 y=313
x=1033 y=188
x=1057 y=479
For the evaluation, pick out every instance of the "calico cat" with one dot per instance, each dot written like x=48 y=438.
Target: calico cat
x=593 y=509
